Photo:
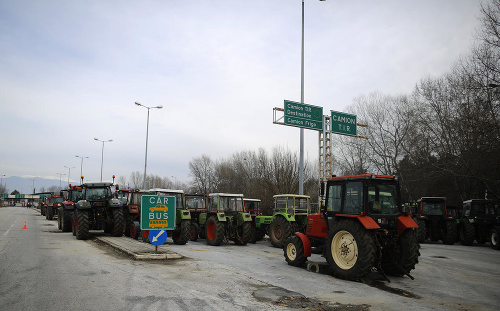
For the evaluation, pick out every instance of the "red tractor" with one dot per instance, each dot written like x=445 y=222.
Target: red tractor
x=361 y=228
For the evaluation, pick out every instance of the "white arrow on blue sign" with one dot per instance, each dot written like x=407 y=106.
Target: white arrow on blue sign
x=157 y=237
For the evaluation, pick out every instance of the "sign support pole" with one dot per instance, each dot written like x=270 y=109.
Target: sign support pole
x=301 y=157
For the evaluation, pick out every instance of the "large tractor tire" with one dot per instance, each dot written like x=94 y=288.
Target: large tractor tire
x=495 y=239
x=59 y=218
x=294 y=251
x=129 y=222
x=42 y=210
x=279 y=230
x=215 y=231
x=181 y=236
x=67 y=220
x=400 y=260
x=135 y=230
x=244 y=235
x=118 y=222
x=449 y=232
x=82 y=225
x=50 y=212
x=350 y=250
x=467 y=232
x=194 y=231
x=421 y=230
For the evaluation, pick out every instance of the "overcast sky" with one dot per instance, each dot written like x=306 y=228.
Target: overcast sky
x=70 y=71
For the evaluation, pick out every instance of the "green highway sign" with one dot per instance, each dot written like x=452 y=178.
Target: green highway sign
x=158 y=212
x=302 y=115
x=4 y=195
x=344 y=123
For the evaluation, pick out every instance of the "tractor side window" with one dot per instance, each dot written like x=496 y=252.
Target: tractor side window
x=353 y=197
x=281 y=204
x=334 y=198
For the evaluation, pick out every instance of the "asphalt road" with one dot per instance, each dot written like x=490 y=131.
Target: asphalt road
x=44 y=269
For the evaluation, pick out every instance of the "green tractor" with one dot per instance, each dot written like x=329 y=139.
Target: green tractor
x=180 y=235
x=226 y=219
x=434 y=220
x=195 y=204
x=290 y=216
x=479 y=222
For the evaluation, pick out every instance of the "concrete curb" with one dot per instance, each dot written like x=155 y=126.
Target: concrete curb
x=137 y=249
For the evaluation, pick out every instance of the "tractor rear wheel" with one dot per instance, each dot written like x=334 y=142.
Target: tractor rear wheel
x=214 y=231
x=294 y=251
x=449 y=232
x=280 y=229
x=67 y=220
x=467 y=232
x=244 y=235
x=494 y=239
x=82 y=224
x=59 y=218
x=350 y=250
x=181 y=236
x=118 y=222
x=50 y=212
x=421 y=231
x=402 y=258
x=194 y=232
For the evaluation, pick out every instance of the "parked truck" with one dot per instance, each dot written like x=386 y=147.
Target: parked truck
x=360 y=229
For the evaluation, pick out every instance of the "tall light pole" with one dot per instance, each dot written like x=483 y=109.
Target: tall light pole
x=147 y=132
x=301 y=154
x=69 y=171
x=1 y=180
x=102 y=153
x=81 y=165
x=60 y=175
x=175 y=178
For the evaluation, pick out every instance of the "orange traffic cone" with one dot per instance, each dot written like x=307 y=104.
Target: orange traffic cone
x=24 y=227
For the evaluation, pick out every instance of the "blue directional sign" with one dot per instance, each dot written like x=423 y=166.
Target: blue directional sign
x=157 y=237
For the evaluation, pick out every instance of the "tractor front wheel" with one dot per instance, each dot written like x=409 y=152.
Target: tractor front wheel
x=280 y=229
x=350 y=250
x=494 y=239
x=244 y=234
x=421 y=230
x=294 y=251
x=450 y=232
x=214 y=231
x=67 y=219
x=135 y=230
x=194 y=231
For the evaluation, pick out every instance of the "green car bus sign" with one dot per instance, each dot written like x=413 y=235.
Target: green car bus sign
x=158 y=212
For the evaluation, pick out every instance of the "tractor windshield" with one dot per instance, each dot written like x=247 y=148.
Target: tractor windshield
x=57 y=200
x=383 y=199
x=292 y=205
x=195 y=203
x=75 y=195
x=433 y=208
x=230 y=204
x=482 y=209
x=98 y=194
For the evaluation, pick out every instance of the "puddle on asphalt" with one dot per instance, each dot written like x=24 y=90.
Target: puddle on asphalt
x=281 y=297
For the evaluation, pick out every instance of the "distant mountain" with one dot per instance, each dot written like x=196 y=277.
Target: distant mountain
x=25 y=184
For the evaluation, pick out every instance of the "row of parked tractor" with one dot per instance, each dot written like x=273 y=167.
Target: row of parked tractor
x=361 y=226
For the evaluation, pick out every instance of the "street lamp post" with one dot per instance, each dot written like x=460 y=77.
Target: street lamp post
x=60 y=175
x=147 y=133
x=81 y=165
x=301 y=153
x=102 y=153
x=69 y=171
x=1 y=180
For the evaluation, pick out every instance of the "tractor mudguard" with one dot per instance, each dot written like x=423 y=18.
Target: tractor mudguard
x=288 y=217
x=181 y=214
x=133 y=209
x=221 y=217
x=68 y=205
x=405 y=222
x=261 y=221
x=83 y=204
x=243 y=217
x=306 y=243
x=114 y=203
x=366 y=221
